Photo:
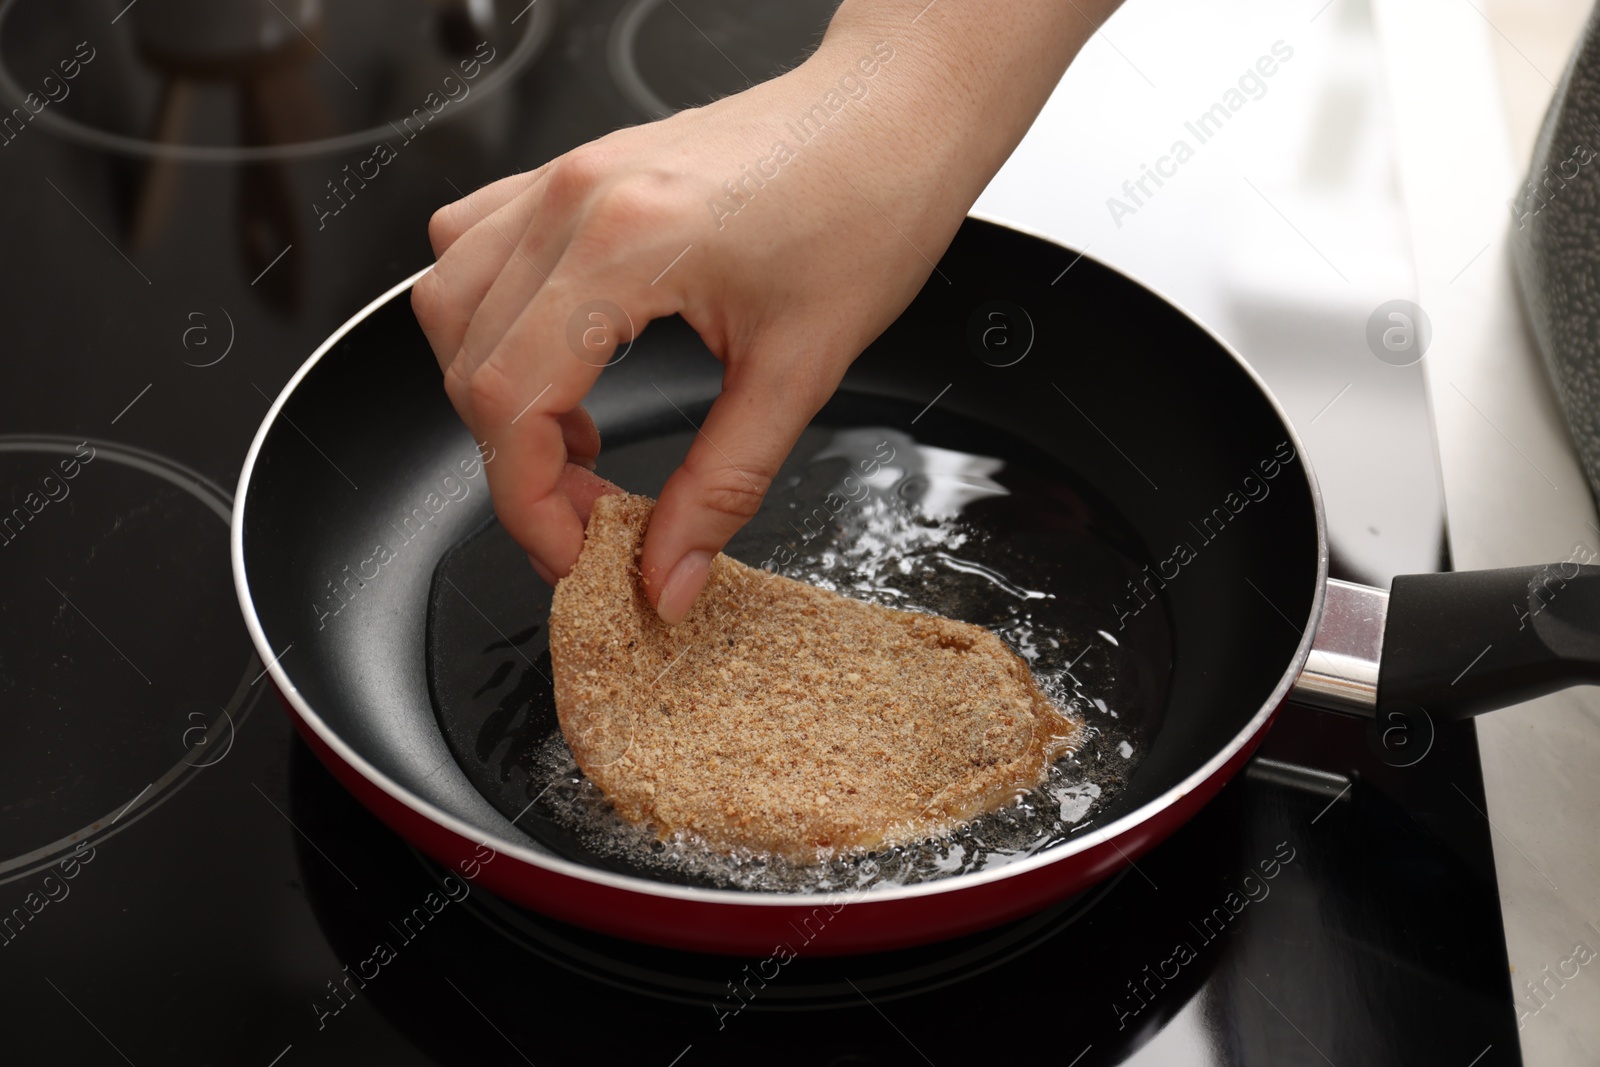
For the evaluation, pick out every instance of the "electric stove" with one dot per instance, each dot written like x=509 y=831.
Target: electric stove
x=194 y=195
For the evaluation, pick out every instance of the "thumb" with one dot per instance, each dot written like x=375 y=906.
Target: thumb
x=724 y=478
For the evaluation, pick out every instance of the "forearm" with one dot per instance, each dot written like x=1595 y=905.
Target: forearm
x=967 y=79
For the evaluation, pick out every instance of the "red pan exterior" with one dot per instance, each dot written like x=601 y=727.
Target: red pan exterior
x=835 y=925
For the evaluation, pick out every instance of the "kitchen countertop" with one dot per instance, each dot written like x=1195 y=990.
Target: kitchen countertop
x=1375 y=165
x=1515 y=494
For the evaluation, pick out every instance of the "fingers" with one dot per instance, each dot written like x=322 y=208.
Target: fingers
x=497 y=247
x=453 y=220
x=581 y=487
x=523 y=400
x=507 y=241
x=745 y=439
x=577 y=483
x=496 y=313
x=581 y=438
x=521 y=275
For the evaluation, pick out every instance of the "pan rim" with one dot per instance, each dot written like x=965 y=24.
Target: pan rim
x=1109 y=833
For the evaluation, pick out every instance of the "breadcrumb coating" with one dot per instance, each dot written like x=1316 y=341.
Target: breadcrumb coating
x=783 y=718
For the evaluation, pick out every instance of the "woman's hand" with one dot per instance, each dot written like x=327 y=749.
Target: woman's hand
x=788 y=225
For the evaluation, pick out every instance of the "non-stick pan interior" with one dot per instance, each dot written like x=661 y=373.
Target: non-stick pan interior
x=367 y=480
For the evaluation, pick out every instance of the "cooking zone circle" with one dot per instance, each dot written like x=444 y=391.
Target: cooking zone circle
x=112 y=561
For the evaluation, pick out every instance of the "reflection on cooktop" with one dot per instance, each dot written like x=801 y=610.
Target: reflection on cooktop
x=203 y=81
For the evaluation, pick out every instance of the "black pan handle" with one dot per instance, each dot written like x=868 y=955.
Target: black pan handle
x=1465 y=642
x=1454 y=644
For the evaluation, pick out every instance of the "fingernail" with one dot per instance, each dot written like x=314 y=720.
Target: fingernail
x=542 y=571
x=682 y=586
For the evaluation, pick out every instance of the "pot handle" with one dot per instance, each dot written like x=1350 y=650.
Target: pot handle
x=1455 y=644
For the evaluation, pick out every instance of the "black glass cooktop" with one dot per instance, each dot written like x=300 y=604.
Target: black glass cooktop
x=193 y=196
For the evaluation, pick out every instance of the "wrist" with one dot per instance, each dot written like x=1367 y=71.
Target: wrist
x=966 y=79
x=879 y=117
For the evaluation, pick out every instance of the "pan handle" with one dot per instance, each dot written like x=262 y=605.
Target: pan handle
x=1455 y=644
x=1465 y=642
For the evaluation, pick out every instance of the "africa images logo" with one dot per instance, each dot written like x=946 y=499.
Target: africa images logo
x=1251 y=85
x=1252 y=489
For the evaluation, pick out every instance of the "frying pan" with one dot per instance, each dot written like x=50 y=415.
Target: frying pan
x=1223 y=604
